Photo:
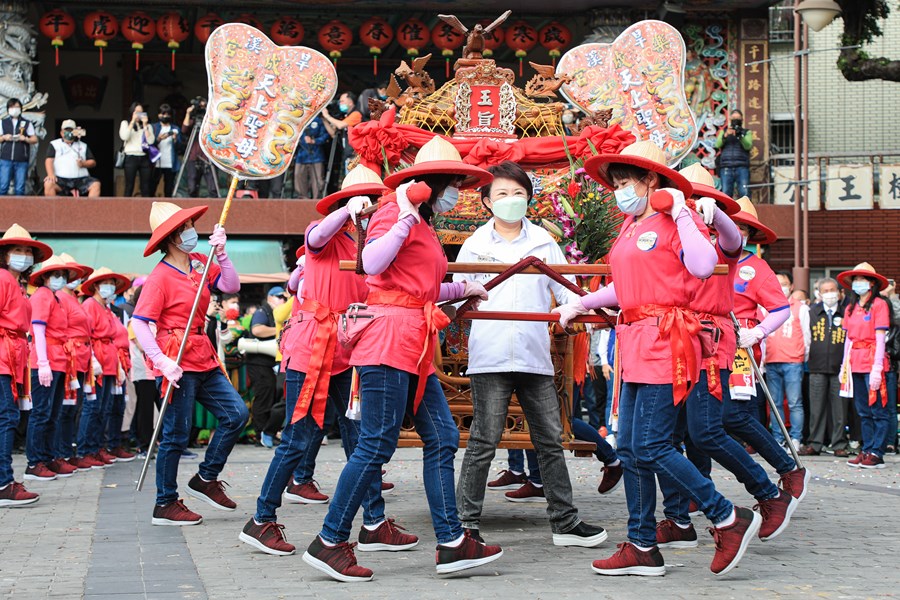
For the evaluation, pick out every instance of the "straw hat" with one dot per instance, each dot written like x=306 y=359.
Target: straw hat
x=71 y=262
x=704 y=185
x=747 y=216
x=54 y=263
x=440 y=157
x=102 y=274
x=865 y=270
x=360 y=181
x=301 y=251
x=644 y=154
x=16 y=235
x=165 y=218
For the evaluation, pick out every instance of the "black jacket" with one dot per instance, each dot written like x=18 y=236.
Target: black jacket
x=826 y=350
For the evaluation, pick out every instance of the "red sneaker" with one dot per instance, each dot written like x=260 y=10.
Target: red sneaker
x=40 y=472
x=670 y=535
x=856 y=460
x=387 y=536
x=306 y=493
x=338 y=561
x=61 y=468
x=106 y=456
x=175 y=513
x=467 y=555
x=612 y=479
x=603 y=431
x=386 y=488
x=732 y=540
x=872 y=461
x=268 y=537
x=122 y=455
x=776 y=514
x=211 y=492
x=629 y=560
x=795 y=483
x=15 y=494
x=507 y=481
x=88 y=462
x=750 y=449
x=694 y=509
x=527 y=493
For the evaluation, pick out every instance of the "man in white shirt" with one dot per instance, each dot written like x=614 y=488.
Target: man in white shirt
x=67 y=164
x=513 y=357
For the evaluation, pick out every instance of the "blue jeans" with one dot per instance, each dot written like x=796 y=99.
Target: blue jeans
x=787 y=378
x=214 y=391
x=703 y=417
x=890 y=380
x=306 y=468
x=17 y=170
x=112 y=428
x=90 y=424
x=741 y=419
x=46 y=401
x=9 y=420
x=305 y=437
x=68 y=415
x=516 y=459
x=387 y=396
x=873 y=419
x=735 y=175
x=647 y=416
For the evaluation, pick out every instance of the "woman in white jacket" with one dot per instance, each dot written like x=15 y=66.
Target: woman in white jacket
x=133 y=133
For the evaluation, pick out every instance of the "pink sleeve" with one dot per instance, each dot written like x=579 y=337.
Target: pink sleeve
x=452 y=291
x=603 y=298
x=729 y=236
x=698 y=255
x=40 y=341
x=146 y=339
x=380 y=252
x=294 y=281
x=321 y=233
x=878 y=361
x=229 y=281
x=774 y=320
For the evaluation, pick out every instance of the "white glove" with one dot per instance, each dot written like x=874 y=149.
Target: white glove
x=407 y=207
x=169 y=368
x=569 y=311
x=301 y=262
x=747 y=338
x=706 y=208
x=678 y=204
x=875 y=378
x=45 y=374
x=474 y=289
x=355 y=205
x=218 y=239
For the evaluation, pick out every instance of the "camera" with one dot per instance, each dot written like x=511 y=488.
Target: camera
x=199 y=104
x=79 y=132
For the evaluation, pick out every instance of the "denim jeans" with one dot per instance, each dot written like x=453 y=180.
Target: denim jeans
x=305 y=437
x=516 y=459
x=90 y=424
x=9 y=419
x=17 y=170
x=787 y=378
x=214 y=391
x=647 y=417
x=112 y=429
x=735 y=175
x=40 y=444
x=491 y=393
x=741 y=419
x=890 y=380
x=703 y=417
x=388 y=395
x=582 y=431
x=68 y=416
x=873 y=419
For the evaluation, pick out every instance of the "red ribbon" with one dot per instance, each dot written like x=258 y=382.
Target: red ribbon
x=8 y=336
x=314 y=393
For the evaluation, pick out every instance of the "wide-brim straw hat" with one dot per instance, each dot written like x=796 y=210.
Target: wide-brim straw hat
x=360 y=181
x=704 y=185
x=440 y=157
x=84 y=270
x=865 y=270
x=644 y=154
x=166 y=217
x=17 y=235
x=102 y=274
x=748 y=216
x=301 y=251
x=54 y=263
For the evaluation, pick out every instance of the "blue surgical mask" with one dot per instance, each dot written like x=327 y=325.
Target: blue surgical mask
x=56 y=283
x=188 y=240
x=860 y=288
x=447 y=200
x=20 y=262
x=107 y=291
x=73 y=284
x=629 y=202
x=510 y=209
x=344 y=108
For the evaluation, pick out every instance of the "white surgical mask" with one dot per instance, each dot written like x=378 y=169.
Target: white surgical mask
x=568 y=118
x=15 y=112
x=188 y=240
x=447 y=200
x=629 y=202
x=861 y=287
x=20 y=262
x=107 y=291
x=73 y=284
x=786 y=290
x=510 y=209
x=744 y=240
x=56 y=282
x=830 y=299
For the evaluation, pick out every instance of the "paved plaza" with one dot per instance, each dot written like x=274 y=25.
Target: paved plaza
x=90 y=537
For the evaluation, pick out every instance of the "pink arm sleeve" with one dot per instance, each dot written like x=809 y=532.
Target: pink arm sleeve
x=294 y=281
x=729 y=235
x=40 y=341
x=322 y=233
x=452 y=291
x=146 y=339
x=774 y=320
x=878 y=362
x=601 y=298
x=381 y=252
x=698 y=254
x=229 y=282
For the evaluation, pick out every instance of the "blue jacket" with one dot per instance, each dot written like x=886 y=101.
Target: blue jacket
x=308 y=154
x=178 y=141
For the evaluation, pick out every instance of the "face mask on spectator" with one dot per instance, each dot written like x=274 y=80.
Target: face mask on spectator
x=344 y=108
x=68 y=135
x=510 y=209
x=568 y=118
x=20 y=262
x=786 y=290
x=15 y=112
x=107 y=291
x=861 y=287
x=164 y=118
x=188 y=240
x=830 y=299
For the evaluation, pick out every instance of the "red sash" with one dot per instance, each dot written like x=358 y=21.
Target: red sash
x=9 y=336
x=69 y=346
x=314 y=393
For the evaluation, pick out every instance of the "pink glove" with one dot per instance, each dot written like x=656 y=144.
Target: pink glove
x=45 y=375
x=168 y=368
x=569 y=311
x=476 y=290
x=747 y=338
x=407 y=208
x=875 y=379
x=218 y=239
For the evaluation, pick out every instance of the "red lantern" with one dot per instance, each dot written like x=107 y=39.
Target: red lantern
x=521 y=37
x=138 y=28
x=492 y=40
x=173 y=29
x=335 y=37
x=205 y=25
x=412 y=34
x=101 y=27
x=554 y=36
x=447 y=38
x=57 y=25
x=250 y=20
x=287 y=31
x=376 y=33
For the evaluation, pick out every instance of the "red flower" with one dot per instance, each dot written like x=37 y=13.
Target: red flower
x=573 y=188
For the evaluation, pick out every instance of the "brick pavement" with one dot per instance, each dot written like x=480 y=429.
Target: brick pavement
x=840 y=543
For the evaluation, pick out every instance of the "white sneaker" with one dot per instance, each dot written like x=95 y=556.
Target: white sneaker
x=796 y=444
x=611 y=440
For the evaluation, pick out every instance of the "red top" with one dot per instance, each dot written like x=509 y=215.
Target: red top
x=861 y=326
x=715 y=296
x=15 y=316
x=103 y=330
x=166 y=299
x=79 y=327
x=46 y=310
x=786 y=344
x=756 y=284
x=418 y=270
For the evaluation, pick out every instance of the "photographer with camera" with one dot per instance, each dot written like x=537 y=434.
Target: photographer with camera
x=16 y=137
x=734 y=143
x=136 y=134
x=197 y=164
x=67 y=163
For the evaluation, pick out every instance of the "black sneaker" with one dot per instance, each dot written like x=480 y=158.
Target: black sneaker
x=583 y=534
x=470 y=553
